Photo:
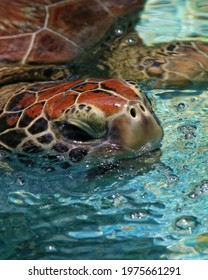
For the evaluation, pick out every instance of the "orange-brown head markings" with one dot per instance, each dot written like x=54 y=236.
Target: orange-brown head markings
x=84 y=114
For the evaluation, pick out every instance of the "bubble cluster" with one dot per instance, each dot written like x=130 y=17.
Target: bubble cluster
x=141 y=214
x=200 y=190
x=187 y=128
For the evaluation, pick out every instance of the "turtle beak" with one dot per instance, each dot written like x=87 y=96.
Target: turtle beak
x=137 y=129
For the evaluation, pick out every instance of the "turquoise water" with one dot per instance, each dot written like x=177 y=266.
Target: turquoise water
x=156 y=210
x=152 y=208
x=164 y=21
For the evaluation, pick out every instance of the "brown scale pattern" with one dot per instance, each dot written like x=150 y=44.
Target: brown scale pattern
x=27 y=116
x=174 y=64
x=52 y=31
x=118 y=87
x=58 y=104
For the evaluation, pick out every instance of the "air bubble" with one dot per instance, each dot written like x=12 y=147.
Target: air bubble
x=2 y=154
x=119 y=31
x=192 y=195
x=139 y=215
x=20 y=181
x=50 y=248
x=193 y=99
x=204 y=185
x=131 y=41
x=200 y=190
x=48 y=169
x=190 y=135
x=186 y=223
x=148 y=62
x=144 y=195
x=180 y=107
x=178 y=209
x=187 y=128
x=172 y=178
x=186 y=168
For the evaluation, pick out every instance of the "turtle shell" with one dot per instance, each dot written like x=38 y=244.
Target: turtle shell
x=82 y=114
x=176 y=64
x=51 y=31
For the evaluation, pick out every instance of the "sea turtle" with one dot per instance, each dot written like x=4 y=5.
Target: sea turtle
x=175 y=64
x=37 y=40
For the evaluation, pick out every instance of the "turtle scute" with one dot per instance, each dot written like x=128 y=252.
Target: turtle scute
x=176 y=64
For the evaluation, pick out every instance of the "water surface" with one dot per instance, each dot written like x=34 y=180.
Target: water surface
x=139 y=209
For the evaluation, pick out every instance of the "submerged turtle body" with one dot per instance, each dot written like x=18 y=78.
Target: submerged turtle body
x=91 y=115
x=174 y=64
x=51 y=31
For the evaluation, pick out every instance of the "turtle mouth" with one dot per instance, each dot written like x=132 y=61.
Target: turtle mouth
x=77 y=131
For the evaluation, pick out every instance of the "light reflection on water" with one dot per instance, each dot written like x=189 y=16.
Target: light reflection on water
x=164 y=21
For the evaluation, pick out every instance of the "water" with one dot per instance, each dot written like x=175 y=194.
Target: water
x=164 y=21
x=126 y=213
x=152 y=208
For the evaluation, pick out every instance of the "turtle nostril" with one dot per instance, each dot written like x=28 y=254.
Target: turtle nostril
x=133 y=112
x=142 y=107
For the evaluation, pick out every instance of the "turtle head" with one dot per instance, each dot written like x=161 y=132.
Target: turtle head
x=137 y=129
x=115 y=121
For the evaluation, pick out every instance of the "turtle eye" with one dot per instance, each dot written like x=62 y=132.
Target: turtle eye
x=72 y=132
